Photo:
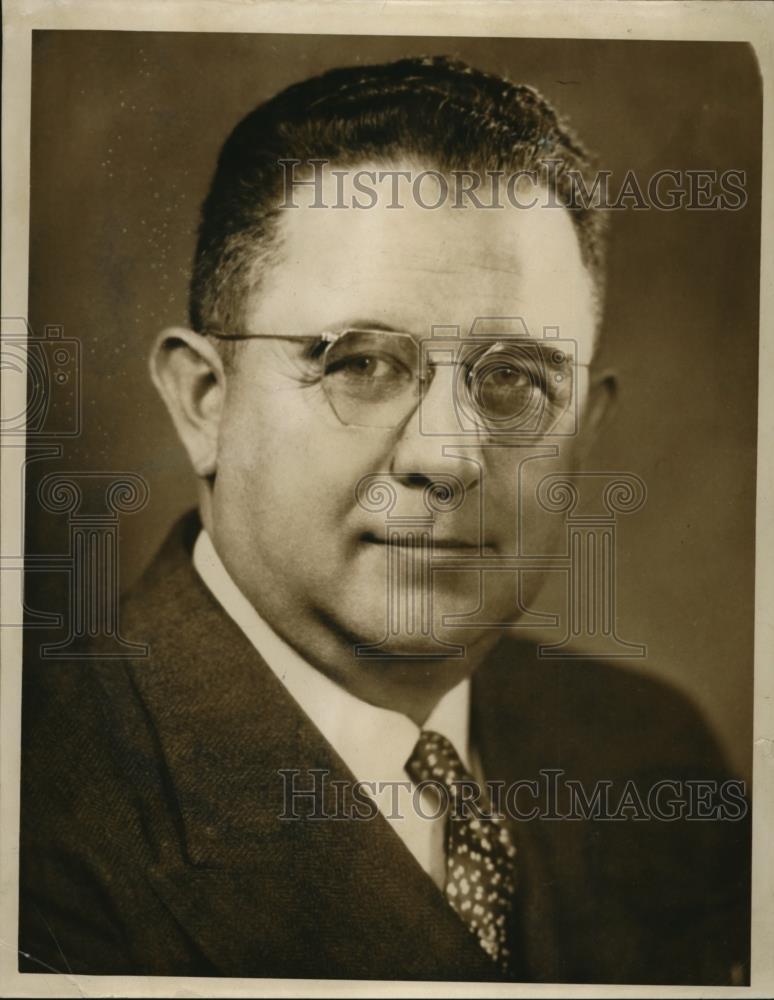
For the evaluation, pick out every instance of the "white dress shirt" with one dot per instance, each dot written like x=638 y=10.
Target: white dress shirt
x=373 y=742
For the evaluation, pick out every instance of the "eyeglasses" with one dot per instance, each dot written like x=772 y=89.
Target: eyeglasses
x=377 y=378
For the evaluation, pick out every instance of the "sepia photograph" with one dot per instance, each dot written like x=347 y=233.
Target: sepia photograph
x=382 y=426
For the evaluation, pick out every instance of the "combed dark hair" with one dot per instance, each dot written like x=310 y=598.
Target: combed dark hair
x=435 y=110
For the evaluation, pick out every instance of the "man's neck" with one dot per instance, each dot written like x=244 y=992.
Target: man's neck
x=412 y=686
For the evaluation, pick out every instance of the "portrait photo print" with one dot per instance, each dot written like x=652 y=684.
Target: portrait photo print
x=389 y=508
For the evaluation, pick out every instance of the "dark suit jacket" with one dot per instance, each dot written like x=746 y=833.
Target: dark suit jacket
x=151 y=840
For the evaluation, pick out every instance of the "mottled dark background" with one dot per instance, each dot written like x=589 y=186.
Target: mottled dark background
x=125 y=131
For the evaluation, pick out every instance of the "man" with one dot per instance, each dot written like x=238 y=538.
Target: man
x=302 y=778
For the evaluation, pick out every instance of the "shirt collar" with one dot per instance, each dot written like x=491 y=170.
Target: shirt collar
x=373 y=742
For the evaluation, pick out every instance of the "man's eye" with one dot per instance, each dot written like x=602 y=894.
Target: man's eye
x=497 y=376
x=508 y=377
x=368 y=367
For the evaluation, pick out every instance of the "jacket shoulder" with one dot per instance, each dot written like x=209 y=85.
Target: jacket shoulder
x=608 y=714
x=95 y=815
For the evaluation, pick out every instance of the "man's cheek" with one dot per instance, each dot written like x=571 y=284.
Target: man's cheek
x=512 y=516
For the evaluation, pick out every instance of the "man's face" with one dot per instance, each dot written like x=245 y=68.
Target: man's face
x=286 y=518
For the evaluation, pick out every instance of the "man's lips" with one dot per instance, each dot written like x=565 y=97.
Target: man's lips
x=445 y=544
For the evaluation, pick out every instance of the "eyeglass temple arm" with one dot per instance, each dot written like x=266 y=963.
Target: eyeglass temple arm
x=327 y=336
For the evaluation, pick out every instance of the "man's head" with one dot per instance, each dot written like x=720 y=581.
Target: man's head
x=436 y=113
x=283 y=461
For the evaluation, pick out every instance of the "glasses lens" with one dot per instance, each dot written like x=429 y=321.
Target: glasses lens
x=370 y=377
x=517 y=387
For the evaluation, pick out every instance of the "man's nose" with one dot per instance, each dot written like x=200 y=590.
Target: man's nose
x=418 y=457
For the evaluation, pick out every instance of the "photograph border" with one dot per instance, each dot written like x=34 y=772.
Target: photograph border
x=594 y=19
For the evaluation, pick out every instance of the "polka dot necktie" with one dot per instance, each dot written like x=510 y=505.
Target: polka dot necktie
x=480 y=851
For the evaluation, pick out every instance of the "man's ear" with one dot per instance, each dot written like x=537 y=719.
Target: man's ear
x=600 y=405
x=188 y=372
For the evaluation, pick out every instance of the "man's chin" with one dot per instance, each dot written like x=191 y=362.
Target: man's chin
x=411 y=629
x=406 y=646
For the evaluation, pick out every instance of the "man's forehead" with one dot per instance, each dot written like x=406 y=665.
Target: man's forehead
x=496 y=239
x=413 y=268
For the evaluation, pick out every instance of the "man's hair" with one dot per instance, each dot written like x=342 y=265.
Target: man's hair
x=436 y=111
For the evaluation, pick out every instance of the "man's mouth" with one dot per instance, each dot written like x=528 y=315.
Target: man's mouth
x=447 y=546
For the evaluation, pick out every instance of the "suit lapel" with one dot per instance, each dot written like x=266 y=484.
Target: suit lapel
x=258 y=893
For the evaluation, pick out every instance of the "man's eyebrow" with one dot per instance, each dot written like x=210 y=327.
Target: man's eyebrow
x=358 y=323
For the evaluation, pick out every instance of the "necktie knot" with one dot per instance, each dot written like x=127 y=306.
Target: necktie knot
x=435 y=759
x=480 y=852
